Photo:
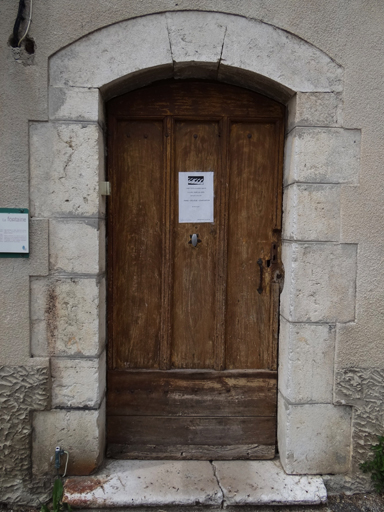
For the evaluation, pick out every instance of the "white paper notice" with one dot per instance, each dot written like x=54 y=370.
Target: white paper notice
x=14 y=233
x=196 y=196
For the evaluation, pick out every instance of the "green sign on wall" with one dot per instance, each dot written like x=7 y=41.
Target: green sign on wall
x=14 y=233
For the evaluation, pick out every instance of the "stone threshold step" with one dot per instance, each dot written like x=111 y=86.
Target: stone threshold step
x=219 y=484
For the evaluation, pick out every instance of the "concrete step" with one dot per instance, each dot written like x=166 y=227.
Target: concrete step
x=140 y=483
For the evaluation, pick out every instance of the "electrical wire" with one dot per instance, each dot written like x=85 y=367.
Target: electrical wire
x=19 y=19
x=66 y=464
x=29 y=22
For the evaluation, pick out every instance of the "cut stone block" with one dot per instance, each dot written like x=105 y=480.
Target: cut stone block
x=68 y=317
x=99 y=58
x=75 y=104
x=78 y=382
x=67 y=163
x=352 y=208
x=272 y=53
x=315 y=109
x=81 y=433
x=322 y=155
x=77 y=246
x=38 y=260
x=133 y=483
x=306 y=362
x=256 y=482
x=196 y=38
x=320 y=282
x=312 y=212
x=315 y=438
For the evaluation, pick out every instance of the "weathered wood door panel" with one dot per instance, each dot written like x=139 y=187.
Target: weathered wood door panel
x=192 y=330
x=136 y=260
x=252 y=189
x=196 y=147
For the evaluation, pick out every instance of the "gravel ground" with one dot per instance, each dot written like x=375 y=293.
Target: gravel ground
x=340 y=503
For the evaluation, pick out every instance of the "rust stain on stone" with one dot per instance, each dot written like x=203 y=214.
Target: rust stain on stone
x=81 y=486
x=51 y=314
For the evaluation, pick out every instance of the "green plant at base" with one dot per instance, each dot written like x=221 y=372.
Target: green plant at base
x=57 y=496
x=376 y=465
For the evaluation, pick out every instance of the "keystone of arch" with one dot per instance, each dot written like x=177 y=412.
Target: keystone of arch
x=210 y=45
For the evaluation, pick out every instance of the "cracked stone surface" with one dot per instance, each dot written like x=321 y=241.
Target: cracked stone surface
x=259 y=482
x=137 y=483
x=145 y=483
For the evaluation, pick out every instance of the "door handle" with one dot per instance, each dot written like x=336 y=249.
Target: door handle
x=194 y=240
x=260 y=263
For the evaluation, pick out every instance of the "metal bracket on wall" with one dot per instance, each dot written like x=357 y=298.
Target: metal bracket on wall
x=105 y=188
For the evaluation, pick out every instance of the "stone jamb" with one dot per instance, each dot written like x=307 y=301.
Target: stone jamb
x=320 y=158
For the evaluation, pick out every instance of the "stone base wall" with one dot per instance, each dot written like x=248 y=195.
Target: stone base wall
x=363 y=389
x=23 y=390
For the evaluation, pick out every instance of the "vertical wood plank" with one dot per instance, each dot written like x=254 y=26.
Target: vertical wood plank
x=197 y=148
x=221 y=275
x=252 y=201
x=279 y=175
x=138 y=228
x=166 y=299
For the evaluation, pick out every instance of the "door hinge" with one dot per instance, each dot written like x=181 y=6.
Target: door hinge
x=273 y=253
x=105 y=188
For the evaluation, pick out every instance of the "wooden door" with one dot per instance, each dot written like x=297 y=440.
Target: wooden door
x=192 y=330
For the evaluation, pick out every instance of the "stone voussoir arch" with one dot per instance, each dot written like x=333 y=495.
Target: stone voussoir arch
x=190 y=43
x=67 y=166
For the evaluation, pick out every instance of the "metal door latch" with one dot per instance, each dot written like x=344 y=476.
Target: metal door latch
x=194 y=240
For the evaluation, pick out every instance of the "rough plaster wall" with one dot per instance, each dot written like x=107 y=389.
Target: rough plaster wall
x=22 y=390
x=364 y=390
x=350 y=31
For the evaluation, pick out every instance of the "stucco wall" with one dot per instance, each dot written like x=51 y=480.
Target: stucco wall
x=23 y=389
x=349 y=32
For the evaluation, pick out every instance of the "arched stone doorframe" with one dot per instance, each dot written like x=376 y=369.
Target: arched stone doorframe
x=67 y=165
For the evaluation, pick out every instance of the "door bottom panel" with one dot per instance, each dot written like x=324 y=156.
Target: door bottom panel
x=192 y=393
x=191 y=452
x=192 y=414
